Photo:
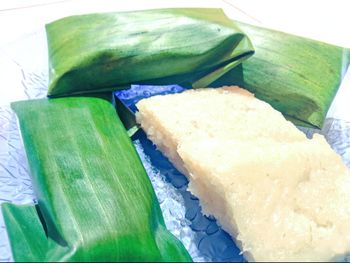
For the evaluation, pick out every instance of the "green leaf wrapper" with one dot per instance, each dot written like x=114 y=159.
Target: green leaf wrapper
x=297 y=76
x=95 y=200
x=99 y=52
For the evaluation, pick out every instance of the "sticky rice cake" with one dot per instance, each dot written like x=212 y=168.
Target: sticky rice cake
x=228 y=112
x=282 y=196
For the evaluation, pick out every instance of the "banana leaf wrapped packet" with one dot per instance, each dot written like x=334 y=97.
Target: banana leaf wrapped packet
x=95 y=200
x=297 y=76
x=194 y=48
x=99 y=52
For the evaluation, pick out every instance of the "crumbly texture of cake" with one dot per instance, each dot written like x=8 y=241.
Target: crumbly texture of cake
x=282 y=197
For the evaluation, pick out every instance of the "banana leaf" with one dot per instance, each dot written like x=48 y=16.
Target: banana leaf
x=99 y=52
x=297 y=76
x=24 y=221
x=95 y=200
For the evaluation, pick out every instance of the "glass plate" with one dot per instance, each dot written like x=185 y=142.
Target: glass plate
x=201 y=235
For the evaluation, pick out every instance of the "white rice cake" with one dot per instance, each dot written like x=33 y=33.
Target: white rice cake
x=282 y=196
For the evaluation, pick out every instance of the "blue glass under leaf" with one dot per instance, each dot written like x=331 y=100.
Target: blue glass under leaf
x=138 y=92
x=213 y=243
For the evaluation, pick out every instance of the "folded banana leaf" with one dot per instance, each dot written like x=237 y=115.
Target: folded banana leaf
x=99 y=52
x=24 y=221
x=297 y=76
x=95 y=200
